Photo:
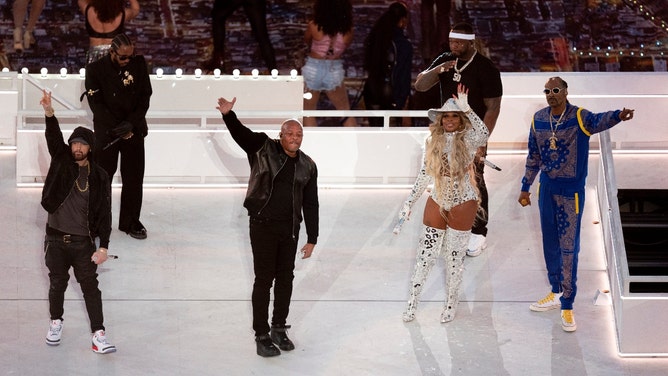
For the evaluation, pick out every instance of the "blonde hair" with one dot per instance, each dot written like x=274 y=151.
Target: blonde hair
x=456 y=163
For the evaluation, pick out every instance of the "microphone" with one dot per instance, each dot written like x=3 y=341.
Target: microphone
x=490 y=164
x=111 y=143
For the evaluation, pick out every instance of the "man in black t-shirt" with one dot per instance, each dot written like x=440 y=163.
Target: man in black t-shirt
x=464 y=64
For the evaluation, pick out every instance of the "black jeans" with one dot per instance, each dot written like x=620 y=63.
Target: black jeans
x=480 y=224
x=60 y=255
x=274 y=248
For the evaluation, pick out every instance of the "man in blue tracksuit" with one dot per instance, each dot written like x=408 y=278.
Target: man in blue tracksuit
x=559 y=148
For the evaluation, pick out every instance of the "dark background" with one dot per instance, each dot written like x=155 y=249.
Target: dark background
x=520 y=35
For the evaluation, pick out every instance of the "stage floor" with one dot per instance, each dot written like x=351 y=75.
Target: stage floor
x=178 y=303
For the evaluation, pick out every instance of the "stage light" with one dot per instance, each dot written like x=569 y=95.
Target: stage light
x=24 y=70
x=179 y=73
x=236 y=73
x=293 y=74
x=198 y=73
x=308 y=95
x=216 y=73
x=159 y=72
x=43 y=72
x=63 y=72
x=255 y=73
x=274 y=73
x=82 y=72
x=5 y=70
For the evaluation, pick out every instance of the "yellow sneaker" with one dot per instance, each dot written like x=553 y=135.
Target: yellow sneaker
x=551 y=301
x=568 y=320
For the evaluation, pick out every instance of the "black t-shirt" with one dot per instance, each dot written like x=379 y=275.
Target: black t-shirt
x=481 y=77
x=280 y=203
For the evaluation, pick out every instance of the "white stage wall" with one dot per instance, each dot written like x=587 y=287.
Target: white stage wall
x=188 y=144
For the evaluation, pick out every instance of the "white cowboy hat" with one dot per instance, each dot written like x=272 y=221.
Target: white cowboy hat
x=449 y=106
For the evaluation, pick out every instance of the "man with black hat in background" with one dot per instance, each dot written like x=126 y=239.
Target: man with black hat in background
x=119 y=90
x=76 y=195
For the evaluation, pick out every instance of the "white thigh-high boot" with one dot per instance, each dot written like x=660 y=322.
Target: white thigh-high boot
x=428 y=250
x=454 y=252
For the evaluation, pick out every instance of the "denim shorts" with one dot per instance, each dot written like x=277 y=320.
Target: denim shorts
x=321 y=74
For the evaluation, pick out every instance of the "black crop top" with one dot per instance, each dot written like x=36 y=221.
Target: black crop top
x=94 y=34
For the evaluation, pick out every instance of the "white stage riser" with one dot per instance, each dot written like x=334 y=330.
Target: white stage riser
x=188 y=143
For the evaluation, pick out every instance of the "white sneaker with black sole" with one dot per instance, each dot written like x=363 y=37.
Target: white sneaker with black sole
x=55 y=331
x=100 y=343
x=477 y=243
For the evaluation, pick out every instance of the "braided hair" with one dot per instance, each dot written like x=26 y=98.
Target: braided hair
x=119 y=41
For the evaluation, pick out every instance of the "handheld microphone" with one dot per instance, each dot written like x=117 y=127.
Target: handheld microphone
x=490 y=164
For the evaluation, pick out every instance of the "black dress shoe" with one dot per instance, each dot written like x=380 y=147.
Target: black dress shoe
x=279 y=336
x=138 y=234
x=265 y=347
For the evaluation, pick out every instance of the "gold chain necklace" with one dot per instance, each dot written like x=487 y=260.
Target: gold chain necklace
x=553 y=138
x=76 y=182
x=457 y=75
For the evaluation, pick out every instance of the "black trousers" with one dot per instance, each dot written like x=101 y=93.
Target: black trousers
x=256 y=11
x=133 y=163
x=480 y=224
x=60 y=254
x=274 y=248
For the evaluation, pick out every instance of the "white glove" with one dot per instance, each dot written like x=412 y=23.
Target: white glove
x=462 y=101
x=404 y=214
x=405 y=211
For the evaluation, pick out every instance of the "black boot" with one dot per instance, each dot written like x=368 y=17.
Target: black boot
x=279 y=335
x=265 y=347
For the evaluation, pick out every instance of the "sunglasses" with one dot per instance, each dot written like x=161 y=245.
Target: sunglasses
x=123 y=57
x=555 y=90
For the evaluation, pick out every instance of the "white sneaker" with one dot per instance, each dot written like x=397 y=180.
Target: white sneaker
x=55 y=330
x=476 y=244
x=551 y=301
x=100 y=344
x=568 y=320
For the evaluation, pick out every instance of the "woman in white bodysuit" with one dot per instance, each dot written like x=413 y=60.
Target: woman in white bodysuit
x=456 y=132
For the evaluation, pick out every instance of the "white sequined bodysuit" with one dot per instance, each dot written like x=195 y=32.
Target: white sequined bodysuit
x=475 y=137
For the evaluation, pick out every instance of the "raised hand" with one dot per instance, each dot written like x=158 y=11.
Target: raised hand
x=462 y=98
x=46 y=102
x=225 y=106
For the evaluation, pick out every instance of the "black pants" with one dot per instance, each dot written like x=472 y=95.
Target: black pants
x=256 y=11
x=274 y=248
x=480 y=224
x=133 y=163
x=59 y=256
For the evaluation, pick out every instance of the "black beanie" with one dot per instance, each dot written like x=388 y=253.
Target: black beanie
x=84 y=134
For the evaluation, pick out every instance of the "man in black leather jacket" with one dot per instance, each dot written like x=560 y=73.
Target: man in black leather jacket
x=119 y=91
x=76 y=195
x=283 y=183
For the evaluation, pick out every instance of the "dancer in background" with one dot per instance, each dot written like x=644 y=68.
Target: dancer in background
x=256 y=11
x=104 y=20
x=328 y=34
x=25 y=39
x=388 y=56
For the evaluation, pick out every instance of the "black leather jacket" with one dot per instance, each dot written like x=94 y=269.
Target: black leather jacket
x=63 y=171
x=266 y=157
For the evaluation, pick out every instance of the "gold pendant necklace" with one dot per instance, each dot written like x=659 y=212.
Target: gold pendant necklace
x=553 y=139
x=457 y=76
x=76 y=182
